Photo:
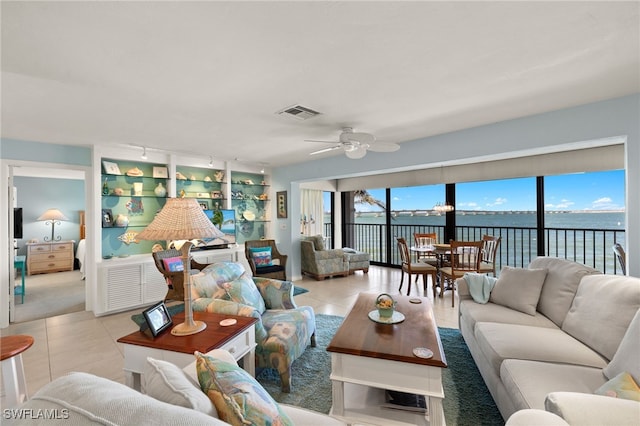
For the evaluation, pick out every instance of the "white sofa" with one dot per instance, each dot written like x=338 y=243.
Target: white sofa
x=584 y=330
x=85 y=399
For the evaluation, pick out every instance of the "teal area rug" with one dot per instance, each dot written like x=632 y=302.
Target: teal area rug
x=467 y=399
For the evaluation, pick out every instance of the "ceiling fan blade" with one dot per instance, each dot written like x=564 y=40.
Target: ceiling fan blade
x=311 y=140
x=333 y=148
x=384 y=147
x=357 y=153
x=358 y=137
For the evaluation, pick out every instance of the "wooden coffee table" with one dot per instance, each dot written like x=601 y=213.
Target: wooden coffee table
x=239 y=339
x=368 y=358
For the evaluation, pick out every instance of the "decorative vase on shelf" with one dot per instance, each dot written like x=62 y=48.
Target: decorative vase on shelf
x=122 y=220
x=160 y=190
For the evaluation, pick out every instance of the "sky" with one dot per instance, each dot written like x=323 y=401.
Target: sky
x=575 y=192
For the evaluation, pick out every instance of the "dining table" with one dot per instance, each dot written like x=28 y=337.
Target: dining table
x=441 y=252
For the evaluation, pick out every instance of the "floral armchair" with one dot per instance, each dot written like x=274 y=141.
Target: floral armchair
x=321 y=263
x=283 y=330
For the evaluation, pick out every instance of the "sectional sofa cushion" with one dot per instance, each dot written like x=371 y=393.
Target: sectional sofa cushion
x=529 y=382
x=602 y=311
x=575 y=408
x=90 y=399
x=627 y=358
x=166 y=382
x=519 y=289
x=496 y=341
x=560 y=284
x=472 y=313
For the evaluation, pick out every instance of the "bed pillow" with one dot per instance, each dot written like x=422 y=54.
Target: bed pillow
x=238 y=397
x=261 y=256
x=519 y=289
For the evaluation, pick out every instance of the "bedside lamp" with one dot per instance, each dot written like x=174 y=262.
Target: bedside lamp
x=182 y=219
x=52 y=216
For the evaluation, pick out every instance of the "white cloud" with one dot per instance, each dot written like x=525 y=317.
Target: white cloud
x=604 y=203
x=497 y=202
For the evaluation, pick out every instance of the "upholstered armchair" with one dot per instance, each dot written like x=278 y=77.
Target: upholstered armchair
x=265 y=260
x=319 y=262
x=283 y=330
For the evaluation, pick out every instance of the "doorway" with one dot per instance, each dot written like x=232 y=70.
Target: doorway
x=35 y=189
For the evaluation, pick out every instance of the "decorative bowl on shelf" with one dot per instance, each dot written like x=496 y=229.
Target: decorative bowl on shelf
x=385 y=305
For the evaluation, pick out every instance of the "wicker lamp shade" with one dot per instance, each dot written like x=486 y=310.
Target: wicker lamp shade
x=180 y=219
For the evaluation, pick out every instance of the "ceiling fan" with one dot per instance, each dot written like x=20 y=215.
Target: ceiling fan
x=355 y=145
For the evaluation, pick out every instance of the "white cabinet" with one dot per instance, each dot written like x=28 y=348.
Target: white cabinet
x=134 y=281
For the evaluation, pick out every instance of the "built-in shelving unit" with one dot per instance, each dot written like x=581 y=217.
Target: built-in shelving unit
x=206 y=185
x=131 y=196
x=250 y=199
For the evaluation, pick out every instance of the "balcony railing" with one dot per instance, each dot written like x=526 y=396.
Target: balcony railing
x=592 y=247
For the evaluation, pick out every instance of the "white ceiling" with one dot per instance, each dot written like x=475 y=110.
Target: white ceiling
x=208 y=77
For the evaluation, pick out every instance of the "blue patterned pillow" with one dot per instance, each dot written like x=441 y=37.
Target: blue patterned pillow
x=262 y=256
x=238 y=397
x=244 y=290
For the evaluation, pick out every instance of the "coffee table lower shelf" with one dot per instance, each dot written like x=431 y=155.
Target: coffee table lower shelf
x=359 y=395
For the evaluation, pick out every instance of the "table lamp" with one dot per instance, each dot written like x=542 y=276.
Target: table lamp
x=53 y=216
x=182 y=219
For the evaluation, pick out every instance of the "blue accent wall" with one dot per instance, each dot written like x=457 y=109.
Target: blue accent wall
x=50 y=153
x=36 y=195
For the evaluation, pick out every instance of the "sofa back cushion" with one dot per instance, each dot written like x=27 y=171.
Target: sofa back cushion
x=318 y=242
x=627 y=357
x=560 y=285
x=602 y=310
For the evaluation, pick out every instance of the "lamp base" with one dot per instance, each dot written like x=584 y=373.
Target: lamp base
x=186 y=329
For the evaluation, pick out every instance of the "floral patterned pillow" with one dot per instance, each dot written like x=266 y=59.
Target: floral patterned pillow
x=244 y=290
x=238 y=397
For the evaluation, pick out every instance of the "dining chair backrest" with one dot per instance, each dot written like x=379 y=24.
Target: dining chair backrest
x=466 y=255
x=622 y=257
x=405 y=258
x=425 y=239
x=490 y=247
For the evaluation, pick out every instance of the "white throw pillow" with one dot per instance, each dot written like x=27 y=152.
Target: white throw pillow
x=166 y=382
x=519 y=289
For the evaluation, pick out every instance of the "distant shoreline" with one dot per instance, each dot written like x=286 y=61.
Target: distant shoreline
x=423 y=212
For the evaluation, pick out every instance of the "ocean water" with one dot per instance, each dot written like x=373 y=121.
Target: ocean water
x=564 y=220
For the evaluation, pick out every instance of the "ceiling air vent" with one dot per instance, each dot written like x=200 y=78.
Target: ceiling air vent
x=299 y=112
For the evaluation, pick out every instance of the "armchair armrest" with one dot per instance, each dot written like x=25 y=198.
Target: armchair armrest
x=277 y=294
x=589 y=409
x=229 y=307
x=463 y=289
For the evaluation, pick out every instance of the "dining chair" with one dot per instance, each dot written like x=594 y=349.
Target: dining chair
x=621 y=256
x=465 y=257
x=489 y=250
x=417 y=269
x=423 y=240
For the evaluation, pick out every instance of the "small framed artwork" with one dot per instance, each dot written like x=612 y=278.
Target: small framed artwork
x=281 y=199
x=107 y=218
x=111 y=168
x=160 y=172
x=204 y=205
x=157 y=318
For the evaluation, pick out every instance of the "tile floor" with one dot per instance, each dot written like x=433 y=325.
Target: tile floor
x=82 y=342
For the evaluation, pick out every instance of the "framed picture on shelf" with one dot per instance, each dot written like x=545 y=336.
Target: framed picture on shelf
x=111 y=168
x=107 y=218
x=204 y=204
x=160 y=172
x=281 y=199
